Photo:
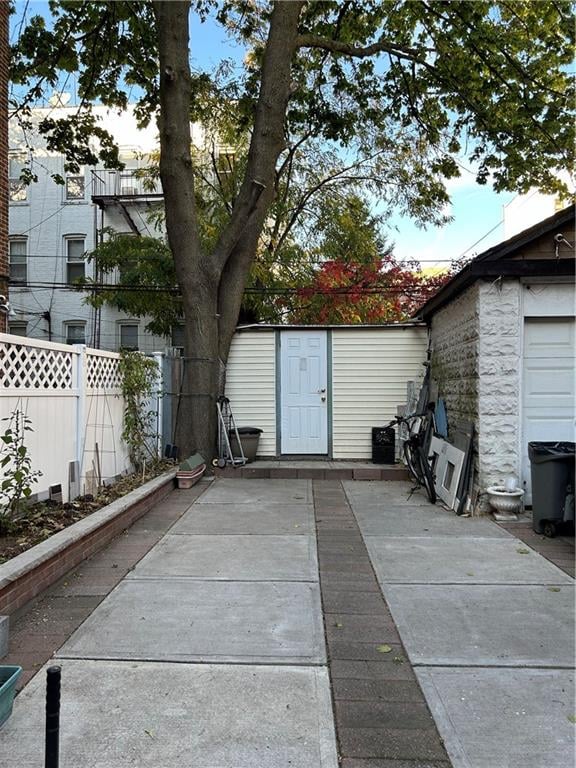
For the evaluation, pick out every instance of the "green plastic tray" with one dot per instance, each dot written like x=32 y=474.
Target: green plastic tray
x=8 y=679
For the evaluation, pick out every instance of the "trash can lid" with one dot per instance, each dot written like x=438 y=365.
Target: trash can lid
x=249 y=431
x=549 y=451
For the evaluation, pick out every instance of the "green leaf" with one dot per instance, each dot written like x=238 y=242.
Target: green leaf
x=384 y=648
x=523 y=551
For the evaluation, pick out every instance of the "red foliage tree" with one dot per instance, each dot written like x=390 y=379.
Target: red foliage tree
x=352 y=292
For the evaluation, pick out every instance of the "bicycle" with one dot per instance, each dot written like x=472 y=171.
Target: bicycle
x=414 y=448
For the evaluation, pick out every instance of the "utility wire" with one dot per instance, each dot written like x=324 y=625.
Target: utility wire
x=308 y=291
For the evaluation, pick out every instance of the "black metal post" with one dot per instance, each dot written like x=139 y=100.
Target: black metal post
x=52 y=754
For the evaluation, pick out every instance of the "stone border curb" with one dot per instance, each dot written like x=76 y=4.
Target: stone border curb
x=26 y=575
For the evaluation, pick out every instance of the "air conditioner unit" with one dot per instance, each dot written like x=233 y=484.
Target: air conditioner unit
x=126 y=191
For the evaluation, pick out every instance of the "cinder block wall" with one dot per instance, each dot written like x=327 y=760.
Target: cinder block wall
x=455 y=334
x=476 y=360
x=499 y=401
x=4 y=62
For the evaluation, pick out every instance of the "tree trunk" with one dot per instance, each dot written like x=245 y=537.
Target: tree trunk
x=213 y=284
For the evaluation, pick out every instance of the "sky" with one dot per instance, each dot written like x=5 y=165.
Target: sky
x=477 y=211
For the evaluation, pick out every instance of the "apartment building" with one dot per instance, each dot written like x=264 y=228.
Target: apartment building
x=53 y=228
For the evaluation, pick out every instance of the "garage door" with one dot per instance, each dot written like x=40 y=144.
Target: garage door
x=548 y=397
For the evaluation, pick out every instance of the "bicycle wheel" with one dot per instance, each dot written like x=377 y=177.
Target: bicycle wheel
x=412 y=461
x=427 y=478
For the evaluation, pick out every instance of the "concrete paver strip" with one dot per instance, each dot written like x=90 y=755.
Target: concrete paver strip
x=499 y=718
x=425 y=521
x=485 y=625
x=263 y=519
x=459 y=561
x=212 y=621
x=381 y=715
x=257 y=492
x=393 y=492
x=151 y=715
x=232 y=558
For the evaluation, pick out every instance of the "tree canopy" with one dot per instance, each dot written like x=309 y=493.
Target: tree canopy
x=412 y=88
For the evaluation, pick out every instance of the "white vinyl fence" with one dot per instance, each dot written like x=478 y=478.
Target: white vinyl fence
x=72 y=396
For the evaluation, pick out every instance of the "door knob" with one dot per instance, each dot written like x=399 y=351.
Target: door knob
x=321 y=391
x=323 y=398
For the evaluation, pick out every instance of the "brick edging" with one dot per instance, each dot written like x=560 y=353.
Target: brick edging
x=381 y=717
x=27 y=575
x=314 y=473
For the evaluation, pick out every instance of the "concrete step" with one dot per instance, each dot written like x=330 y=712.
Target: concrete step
x=315 y=470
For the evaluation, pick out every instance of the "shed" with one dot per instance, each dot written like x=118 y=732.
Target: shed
x=502 y=335
x=316 y=391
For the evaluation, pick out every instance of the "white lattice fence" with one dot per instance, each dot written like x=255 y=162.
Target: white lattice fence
x=73 y=398
x=102 y=370
x=26 y=365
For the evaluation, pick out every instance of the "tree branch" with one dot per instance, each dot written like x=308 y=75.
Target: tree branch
x=362 y=52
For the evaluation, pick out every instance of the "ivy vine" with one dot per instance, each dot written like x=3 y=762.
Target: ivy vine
x=139 y=381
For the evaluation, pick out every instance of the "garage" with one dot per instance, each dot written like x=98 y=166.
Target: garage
x=548 y=374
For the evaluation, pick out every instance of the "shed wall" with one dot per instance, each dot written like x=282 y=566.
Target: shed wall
x=251 y=385
x=370 y=370
x=455 y=335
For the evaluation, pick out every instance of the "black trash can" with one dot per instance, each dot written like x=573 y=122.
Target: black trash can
x=552 y=472
x=249 y=437
x=383 y=445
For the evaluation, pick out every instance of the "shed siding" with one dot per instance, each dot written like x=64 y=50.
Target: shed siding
x=370 y=370
x=251 y=385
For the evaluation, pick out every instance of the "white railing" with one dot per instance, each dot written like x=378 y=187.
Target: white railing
x=72 y=395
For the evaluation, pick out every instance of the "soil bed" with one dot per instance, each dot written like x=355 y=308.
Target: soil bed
x=44 y=518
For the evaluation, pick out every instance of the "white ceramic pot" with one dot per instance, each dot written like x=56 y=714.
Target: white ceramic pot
x=506 y=502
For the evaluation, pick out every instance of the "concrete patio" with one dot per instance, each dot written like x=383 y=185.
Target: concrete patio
x=296 y=622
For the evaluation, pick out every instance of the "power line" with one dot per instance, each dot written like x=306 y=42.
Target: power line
x=302 y=291
x=274 y=263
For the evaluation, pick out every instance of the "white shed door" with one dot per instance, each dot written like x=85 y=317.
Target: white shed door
x=548 y=407
x=303 y=392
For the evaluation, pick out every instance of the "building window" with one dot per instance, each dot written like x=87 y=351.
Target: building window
x=17 y=328
x=75 y=188
x=129 y=336
x=17 y=189
x=178 y=336
x=75 y=261
x=76 y=333
x=226 y=162
x=18 y=260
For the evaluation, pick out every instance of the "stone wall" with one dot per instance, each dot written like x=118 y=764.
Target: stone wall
x=500 y=364
x=455 y=352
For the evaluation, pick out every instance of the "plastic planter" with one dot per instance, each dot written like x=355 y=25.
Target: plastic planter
x=8 y=679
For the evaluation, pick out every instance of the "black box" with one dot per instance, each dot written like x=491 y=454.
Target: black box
x=383 y=445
